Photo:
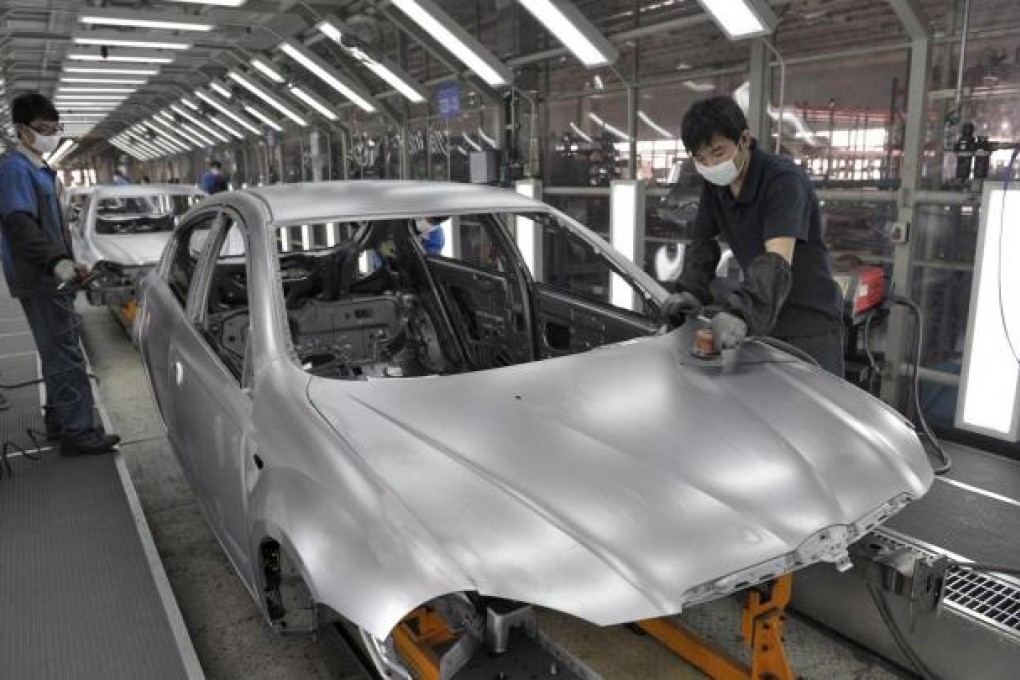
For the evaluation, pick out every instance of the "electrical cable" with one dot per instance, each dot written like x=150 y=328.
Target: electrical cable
x=933 y=442
x=878 y=597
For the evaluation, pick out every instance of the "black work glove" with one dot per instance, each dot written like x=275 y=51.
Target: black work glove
x=678 y=307
x=729 y=330
x=760 y=298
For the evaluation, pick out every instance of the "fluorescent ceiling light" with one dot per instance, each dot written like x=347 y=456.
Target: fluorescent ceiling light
x=609 y=128
x=989 y=401
x=218 y=3
x=173 y=131
x=580 y=133
x=126 y=57
x=698 y=87
x=741 y=19
x=187 y=116
x=266 y=97
x=327 y=74
x=195 y=133
x=267 y=70
x=111 y=90
x=71 y=108
x=574 y=30
x=107 y=17
x=241 y=120
x=226 y=127
x=313 y=102
x=655 y=126
x=223 y=91
x=91 y=97
x=456 y=40
x=264 y=118
x=111 y=70
x=104 y=81
x=116 y=39
x=190 y=104
x=60 y=151
x=388 y=72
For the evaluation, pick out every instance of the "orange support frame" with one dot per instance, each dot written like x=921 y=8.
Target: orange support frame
x=416 y=638
x=762 y=626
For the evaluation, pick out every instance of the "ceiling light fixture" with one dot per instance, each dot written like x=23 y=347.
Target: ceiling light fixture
x=111 y=90
x=127 y=57
x=133 y=19
x=218 y=3
x=740 y=19
x=655 y=126
x=328 y=74
x=196 y=133
x=387 y=71
x=223 y=91
x=573 y=29
x=267 y=70
x=263 y=117
x=103 y=81
x=314 y=102
x=456 y=40
x=212 y=101
x=139 y=71
x=208 y=129
x=116 y=39
x=226 y=127
x=266 y=97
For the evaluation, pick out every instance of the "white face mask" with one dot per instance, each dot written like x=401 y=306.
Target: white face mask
x=721 y=174
x=45 y=144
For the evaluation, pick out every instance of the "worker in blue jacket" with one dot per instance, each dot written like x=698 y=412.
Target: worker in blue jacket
x=41 y=273
x=213 y=181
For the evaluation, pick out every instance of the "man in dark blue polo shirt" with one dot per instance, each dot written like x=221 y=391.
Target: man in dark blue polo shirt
x=764 y=208
x=39 y=268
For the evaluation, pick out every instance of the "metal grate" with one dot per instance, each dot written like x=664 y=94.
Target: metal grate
x=989 y=597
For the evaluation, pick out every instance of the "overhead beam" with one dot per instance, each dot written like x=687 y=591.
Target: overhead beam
x=912 y=17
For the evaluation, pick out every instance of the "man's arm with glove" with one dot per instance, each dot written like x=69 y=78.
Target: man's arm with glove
x=753 y=307
x=701 y=257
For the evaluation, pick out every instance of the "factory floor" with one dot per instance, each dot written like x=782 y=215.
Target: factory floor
x=230 y=636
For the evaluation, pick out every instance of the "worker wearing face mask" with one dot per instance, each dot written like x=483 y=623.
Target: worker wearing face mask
x=763 y=206
x=40 y=270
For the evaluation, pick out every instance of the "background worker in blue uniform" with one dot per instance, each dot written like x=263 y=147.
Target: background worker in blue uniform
x=764 y=207
x=37 y=261
x=213 y=181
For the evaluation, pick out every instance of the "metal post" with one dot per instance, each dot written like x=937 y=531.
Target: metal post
x=760 y=91
x=903 y=259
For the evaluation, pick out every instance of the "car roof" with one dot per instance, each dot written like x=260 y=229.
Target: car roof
x=378 y=198
x=129 y=190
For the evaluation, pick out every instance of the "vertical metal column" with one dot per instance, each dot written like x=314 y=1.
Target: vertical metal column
x=910 y=177
x=760 y=80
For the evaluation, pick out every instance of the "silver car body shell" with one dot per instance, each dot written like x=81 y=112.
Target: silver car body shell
x=618 y=484
x=129 y=250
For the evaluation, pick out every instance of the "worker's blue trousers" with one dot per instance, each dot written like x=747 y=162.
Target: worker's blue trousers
x=56 y=328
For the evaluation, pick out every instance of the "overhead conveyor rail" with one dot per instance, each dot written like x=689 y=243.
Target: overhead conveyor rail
x=82 y=591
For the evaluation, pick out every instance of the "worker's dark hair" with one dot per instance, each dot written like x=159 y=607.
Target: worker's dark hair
x=216 y=164
x=718 y=115
x=32 y=106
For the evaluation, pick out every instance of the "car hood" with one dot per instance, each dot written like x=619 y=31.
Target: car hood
x=628 y=481
x=127 y=249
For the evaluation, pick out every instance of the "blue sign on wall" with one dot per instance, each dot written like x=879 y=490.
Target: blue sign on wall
x=448 y=100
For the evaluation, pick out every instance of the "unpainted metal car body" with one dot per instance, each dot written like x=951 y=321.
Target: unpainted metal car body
x=120 y=231
x=370 y=428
